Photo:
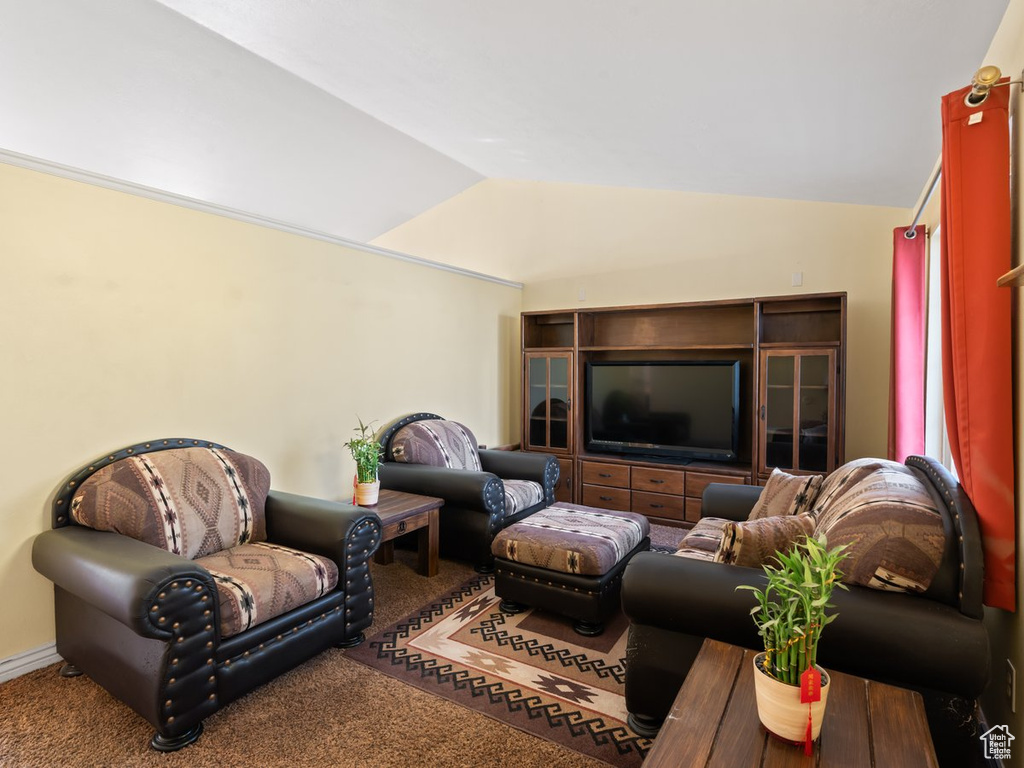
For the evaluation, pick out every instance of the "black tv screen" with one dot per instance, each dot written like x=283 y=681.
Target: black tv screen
x=685 y=410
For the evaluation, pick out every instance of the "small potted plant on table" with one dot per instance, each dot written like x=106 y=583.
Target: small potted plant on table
x=790 y=688
x=366 y=452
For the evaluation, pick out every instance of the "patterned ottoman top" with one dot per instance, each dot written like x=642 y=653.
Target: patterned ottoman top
x=572 y=539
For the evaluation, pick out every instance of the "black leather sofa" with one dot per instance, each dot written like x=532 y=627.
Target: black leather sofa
x=474 y=502
x=934 y=642
x=140 y=622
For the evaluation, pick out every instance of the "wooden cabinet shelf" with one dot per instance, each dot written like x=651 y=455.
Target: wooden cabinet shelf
x=800 y=321
x=808 y=402
x=550 y=331
x=670 y=348
x=795 y=344
x=658 y=326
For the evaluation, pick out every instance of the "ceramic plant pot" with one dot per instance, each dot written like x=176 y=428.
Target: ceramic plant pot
x=779 y=707
x=366 y=494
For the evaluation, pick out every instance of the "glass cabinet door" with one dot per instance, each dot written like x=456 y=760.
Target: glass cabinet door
x=797 y=407
x=548 y=380
x=778 y=415
x=815 y=413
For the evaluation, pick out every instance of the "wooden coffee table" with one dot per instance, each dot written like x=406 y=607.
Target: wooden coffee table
x=402 y=513
x=714 y=722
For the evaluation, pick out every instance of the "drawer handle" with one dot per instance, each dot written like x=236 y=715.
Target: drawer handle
x=604 y=474
x=605 y=498
x=401 y=527
x=657 y=482
x=657 y=506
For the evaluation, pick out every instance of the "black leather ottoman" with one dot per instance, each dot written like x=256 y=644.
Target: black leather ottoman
x=568 y=559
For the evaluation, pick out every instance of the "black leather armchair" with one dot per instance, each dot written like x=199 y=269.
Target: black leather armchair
x=474 y=502
x=934 y=642
x=144 y=623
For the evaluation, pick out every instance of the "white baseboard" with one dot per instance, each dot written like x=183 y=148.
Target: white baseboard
x=28 y=661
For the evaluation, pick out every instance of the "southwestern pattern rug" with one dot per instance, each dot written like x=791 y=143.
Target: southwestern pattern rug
x=530 y=670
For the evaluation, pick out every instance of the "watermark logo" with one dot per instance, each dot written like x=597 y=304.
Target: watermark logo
x=997 y=742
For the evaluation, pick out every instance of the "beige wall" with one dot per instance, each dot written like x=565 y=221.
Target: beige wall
x=125 y=319
x=628 y=246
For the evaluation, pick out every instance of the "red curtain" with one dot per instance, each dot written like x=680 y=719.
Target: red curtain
x=976 y=322
x=906 y=351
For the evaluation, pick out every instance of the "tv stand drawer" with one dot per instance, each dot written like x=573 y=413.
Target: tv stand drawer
x=657 y=480
x=614 y=475
x=696 y=482
x=604 y=497
x=665 y=495
x=692 y=510
x=658 y=505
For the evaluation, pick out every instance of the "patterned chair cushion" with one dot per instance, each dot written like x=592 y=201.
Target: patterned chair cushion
x=189 y=501
x=752 y=543
x=571 y=538
x=848 y=475
x=520 y=494
x=695 y=554
x=891 y=525
x=438 y=443
x=786 y=494
x=703 y=539
x=256 y=582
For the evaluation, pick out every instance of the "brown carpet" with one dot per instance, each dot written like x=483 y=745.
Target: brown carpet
x=530 y=669
x=330 y=711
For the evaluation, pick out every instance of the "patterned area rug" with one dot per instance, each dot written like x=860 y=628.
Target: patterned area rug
x=531 y=670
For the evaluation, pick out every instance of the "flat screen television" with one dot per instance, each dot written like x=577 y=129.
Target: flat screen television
x=678 y=410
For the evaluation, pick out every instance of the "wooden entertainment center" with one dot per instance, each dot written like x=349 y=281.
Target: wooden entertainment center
x=791 y=352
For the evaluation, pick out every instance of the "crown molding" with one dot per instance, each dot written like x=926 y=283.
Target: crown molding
x=119 y=185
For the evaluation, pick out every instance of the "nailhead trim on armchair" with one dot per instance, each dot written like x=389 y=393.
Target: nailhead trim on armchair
x=551 y=474
x=182 y=610
x=364 y=540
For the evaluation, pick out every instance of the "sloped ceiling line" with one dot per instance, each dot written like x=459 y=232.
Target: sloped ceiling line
x=77 y=174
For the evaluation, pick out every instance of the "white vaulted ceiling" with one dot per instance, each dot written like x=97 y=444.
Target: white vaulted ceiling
x=351 y=117
x=802 y=99
x=131 y=90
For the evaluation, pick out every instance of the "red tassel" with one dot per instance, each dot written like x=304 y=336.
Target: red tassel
x=807 y=743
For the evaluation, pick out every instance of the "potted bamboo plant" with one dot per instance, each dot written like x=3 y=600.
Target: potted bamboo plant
x=366 y=452
x=790 y=614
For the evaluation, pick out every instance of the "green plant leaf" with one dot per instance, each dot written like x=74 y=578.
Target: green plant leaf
x=790 y=610
x=366 y=452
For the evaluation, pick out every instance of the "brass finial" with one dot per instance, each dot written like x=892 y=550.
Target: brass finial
x=982 y=81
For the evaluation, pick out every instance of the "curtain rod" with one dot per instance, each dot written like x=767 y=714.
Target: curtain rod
x=933 y=182
x=983 y=81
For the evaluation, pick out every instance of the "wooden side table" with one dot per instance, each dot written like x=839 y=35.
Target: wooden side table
x=401 y=513
x=714 y=722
